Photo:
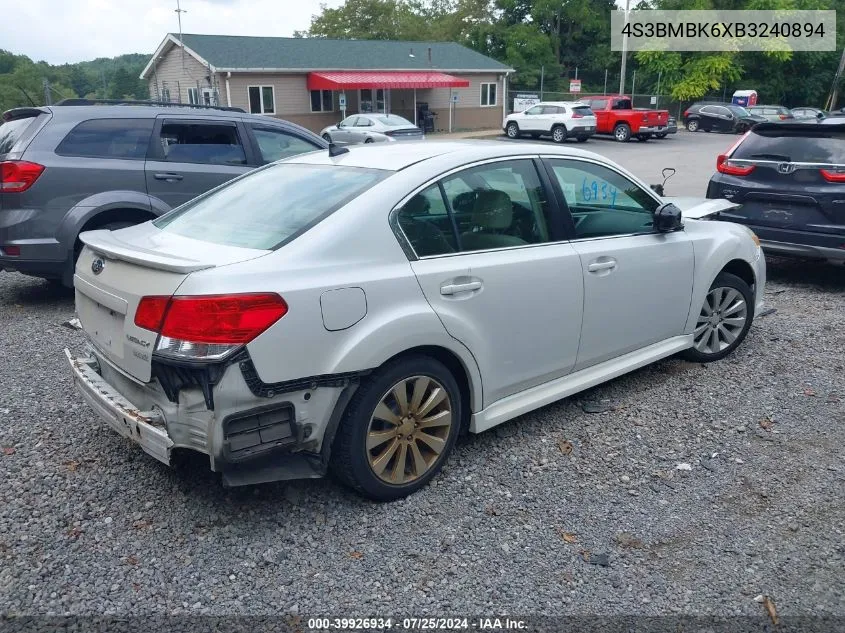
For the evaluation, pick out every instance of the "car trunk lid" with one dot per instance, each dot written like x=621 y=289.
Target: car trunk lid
x=118 y=268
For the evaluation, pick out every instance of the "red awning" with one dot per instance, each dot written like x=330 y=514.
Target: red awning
x=350 y=80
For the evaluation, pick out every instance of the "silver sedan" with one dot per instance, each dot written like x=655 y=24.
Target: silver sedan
x=372 y=128
x=356 y=310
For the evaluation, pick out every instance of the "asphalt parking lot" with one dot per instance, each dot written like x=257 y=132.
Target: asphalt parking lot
x=697 y=489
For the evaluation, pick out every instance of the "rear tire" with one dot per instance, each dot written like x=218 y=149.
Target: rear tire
x=723 y=321
x=366 y=454
x=327 y=138
x=369 y=140
x=512 y=130
x=622 y=132
x=692 y=125
x=559 y=133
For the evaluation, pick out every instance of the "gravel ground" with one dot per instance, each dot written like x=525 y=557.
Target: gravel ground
x=90 y=524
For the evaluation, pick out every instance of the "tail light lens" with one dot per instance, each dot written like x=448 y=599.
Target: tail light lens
x=686 y=113
x=577 y=115
x=208 y=327
x=18 y=175
x=725 y=165
x=833 y=175
x=783 y=117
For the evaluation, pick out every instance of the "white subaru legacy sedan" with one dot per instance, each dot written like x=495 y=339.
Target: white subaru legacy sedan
x=355 y=311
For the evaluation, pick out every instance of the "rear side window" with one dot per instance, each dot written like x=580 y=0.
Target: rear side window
x=201 y=143
x=108 y=138
x=12 y=131
x=794 y=146
x=270 y=206
x=598 y=104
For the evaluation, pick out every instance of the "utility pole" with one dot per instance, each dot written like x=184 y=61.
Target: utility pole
x=834 y=88
x=657 y=102
x=633 y=88
x=47 y=98
x=624 y=51
x=179 y=12
x=542 y=77
x=605 y=81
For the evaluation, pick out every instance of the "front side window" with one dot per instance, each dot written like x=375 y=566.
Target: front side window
x=269 y=206
x=322 y=101
x=108 y=138
x=277 y=144
x=488 y=94
x=184 y=142
x=535 y=110
x=262 y=100
x=603 y=202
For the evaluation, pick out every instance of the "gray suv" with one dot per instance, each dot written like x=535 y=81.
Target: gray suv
x=82 y=165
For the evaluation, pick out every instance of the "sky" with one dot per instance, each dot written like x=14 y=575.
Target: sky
x=67 y=31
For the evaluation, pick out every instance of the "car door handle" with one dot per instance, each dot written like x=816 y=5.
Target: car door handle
x=453 y=289
x=602 y=265
x=169 y=177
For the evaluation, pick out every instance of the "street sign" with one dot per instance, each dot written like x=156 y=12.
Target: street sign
x=574 y=85
x=454 y=97
x=653 y=100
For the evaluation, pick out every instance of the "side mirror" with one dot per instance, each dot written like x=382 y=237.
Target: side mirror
x=667 y=218
x=820 y=115
x=341 y=124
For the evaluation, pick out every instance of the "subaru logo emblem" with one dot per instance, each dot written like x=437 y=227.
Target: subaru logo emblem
x=785 y=168
x=97 y=266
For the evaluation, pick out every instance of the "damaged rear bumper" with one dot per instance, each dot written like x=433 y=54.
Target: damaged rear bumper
x=251 y=432
x=145 y=428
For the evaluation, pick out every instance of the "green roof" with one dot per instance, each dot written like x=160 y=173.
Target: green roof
x=235 y=52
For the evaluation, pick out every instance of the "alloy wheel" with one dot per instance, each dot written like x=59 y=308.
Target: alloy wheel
x=409 y=429
x=692 y=126
x=721 y=320
x=513 y=130
x=559 y=134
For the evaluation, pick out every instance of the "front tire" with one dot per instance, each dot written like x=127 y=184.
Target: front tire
x=723 y=320
x=662 y=135
x=512 y=130
x=692 y=126
x=622 y=132
x=399 y=429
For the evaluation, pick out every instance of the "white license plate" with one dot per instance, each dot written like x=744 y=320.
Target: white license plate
x=103 y=325
x=590 y=129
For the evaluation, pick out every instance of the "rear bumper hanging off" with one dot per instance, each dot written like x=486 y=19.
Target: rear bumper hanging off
x=145 y=428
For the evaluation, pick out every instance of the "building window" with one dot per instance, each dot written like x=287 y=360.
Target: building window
x=322 y=101
x=193 y=96
x=366 y=102
x=488 y=94
x=165 y=94
x=261 y=100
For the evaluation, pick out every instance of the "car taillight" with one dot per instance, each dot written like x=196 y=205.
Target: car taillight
x=725 y=165
x=18 y=175
x=783 y=117
x=833 y=175
x=577 y=115
x=686 y=113
x=208 y=327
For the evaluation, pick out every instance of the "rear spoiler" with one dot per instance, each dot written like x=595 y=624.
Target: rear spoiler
x=105 y=243
x=23 y=113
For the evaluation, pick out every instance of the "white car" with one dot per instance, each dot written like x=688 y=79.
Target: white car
x=372 y=128
x=356 y=309
x=559 y=119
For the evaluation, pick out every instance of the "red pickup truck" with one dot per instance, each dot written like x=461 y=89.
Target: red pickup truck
x=615 y=115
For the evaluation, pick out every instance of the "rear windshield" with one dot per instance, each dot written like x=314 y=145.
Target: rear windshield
x=739 y=111
x=583 y=110
x=270 y=206
x=823 y=145
x=12 y=131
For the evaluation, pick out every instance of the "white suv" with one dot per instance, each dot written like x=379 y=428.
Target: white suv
x=558 y=119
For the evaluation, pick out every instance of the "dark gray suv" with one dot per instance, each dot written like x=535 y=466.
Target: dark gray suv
x=82 y=165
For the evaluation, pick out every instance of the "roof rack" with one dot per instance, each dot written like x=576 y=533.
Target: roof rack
x=135 y=102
